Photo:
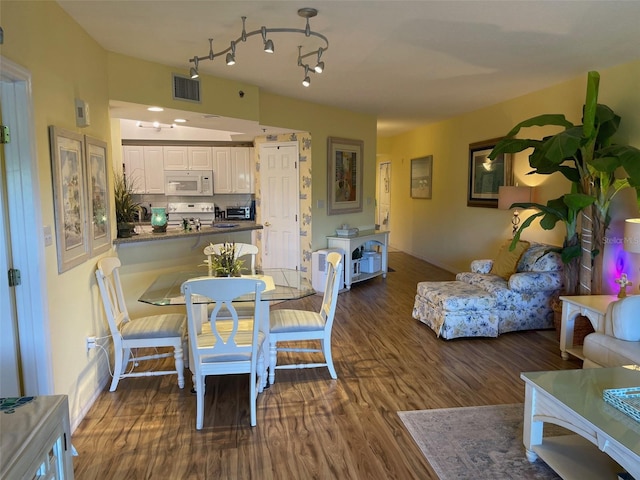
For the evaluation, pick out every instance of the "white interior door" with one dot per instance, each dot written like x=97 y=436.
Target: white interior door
x=384 y=195
x=279 y=205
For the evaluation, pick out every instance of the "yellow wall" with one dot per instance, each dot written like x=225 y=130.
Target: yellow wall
x=444 y=230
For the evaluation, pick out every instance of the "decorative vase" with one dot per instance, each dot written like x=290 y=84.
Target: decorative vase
x=125 y=229
x=159 y=219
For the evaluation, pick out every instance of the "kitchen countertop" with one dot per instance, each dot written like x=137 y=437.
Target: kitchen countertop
x=147 y=236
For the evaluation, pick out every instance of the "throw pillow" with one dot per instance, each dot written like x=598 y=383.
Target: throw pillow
x=506 y=261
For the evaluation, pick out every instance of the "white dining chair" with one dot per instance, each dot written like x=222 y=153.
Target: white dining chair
x=288 y=325
x=231 y=345
x=241 y=250
x=166 y=330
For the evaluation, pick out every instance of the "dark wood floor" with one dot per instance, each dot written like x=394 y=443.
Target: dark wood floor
x=310 y=426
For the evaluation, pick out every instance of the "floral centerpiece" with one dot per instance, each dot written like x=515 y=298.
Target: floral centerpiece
x=224 y=263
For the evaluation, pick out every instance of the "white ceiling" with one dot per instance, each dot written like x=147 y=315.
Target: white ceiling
x=408 y=62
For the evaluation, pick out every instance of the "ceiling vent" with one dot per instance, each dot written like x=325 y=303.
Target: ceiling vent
x=185 y=88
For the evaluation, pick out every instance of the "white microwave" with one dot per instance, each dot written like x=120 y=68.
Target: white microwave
x=188 y=182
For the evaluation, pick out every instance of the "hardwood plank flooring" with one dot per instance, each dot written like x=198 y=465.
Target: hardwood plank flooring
x=310 y=426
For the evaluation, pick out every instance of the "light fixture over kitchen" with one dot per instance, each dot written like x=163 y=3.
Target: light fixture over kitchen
x=157 y=126
x=269 y=47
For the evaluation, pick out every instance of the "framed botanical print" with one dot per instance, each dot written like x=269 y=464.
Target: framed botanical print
x=344 y=175
x=487 y=175
x=98 y=196
x=70 y=197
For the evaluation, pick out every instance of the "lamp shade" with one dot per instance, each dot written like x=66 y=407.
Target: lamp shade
x=507 y=196
x=632 y=235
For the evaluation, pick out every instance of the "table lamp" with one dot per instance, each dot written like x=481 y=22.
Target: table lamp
x=632 y=235
x=508 y=195
x=159 y=219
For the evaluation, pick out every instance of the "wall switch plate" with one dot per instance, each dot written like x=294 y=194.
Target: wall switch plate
x=320 y=203
x=48 y=236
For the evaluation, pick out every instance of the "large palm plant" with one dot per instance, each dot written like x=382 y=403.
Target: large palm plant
x=586 y=156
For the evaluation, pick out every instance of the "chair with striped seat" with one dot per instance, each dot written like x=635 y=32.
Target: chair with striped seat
x=167 y=330
x=288 y=325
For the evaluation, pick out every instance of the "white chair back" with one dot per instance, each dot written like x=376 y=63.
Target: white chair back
x=241 y=250
x=108 y=276
x=332 y=288
x=225 y=345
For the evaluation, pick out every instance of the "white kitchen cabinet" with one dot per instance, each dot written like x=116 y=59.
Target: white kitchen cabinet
x=178 y=157
x=144 y=168
x=232 y=170
x=35 y=438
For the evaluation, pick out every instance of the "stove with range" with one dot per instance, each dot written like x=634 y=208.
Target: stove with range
x=196 y=213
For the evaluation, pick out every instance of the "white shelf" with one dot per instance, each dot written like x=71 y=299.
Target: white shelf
x=574 y=457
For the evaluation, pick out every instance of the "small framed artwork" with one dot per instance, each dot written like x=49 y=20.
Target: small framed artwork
x=486 y=176
x=344 y=188
x=69 y=192
x=97 y=187
x=421 y=172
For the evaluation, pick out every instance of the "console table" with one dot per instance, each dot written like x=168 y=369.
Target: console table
x=349 y=244
x=591 y=306
x=606 y=441
x=35 y=438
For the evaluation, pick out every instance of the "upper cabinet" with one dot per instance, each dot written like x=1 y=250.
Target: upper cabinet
x=187 y=158
x=232 y=170
x=144 y=169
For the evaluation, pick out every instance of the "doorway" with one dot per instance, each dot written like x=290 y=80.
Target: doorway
x=20 y=247
x=384 y=196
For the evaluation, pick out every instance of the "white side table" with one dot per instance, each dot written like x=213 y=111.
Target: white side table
x=591 y=306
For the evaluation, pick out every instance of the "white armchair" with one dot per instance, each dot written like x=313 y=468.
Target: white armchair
x=616 y=341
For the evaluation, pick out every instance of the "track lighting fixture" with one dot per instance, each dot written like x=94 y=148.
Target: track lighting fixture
x=268 y=46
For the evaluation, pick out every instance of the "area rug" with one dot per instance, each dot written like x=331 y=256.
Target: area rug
x=476 y=442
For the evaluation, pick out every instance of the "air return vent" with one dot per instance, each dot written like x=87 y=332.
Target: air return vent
x=185 y=88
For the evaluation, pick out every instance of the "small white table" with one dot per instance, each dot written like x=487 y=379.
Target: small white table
x=573 y=399
x=349 y=244
x=591 y=306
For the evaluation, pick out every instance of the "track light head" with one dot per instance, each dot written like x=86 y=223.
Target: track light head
x=231 y=56
x=319 y=68
x=268 y=46
x=193 y=72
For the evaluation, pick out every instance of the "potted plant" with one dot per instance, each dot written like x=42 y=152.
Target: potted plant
x=225 y=263
x=126 y=206
x=596 y=167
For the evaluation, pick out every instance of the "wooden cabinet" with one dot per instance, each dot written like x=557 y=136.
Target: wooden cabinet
x=144 y=168
x=35 y=438
x=187 y=158
x=232 y=170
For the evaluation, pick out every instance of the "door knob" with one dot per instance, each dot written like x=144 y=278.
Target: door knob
x=267 y=224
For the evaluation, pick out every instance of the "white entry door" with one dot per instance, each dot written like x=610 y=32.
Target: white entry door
x=384 y=195
x=279 y=205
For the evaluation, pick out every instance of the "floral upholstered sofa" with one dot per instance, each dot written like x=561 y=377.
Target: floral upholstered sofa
x=488 y=301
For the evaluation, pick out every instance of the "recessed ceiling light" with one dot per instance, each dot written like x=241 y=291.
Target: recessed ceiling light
x=180 y=120
x=155 y=109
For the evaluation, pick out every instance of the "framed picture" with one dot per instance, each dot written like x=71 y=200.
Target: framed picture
x=98 y=196
x=344 y=186
x=70 y=197
x=486 y=176
x=421 y=171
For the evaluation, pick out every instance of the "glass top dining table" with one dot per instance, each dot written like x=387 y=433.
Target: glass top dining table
x=282 y=284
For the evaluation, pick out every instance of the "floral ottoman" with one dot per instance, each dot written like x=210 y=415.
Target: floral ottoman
x=456 y=309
